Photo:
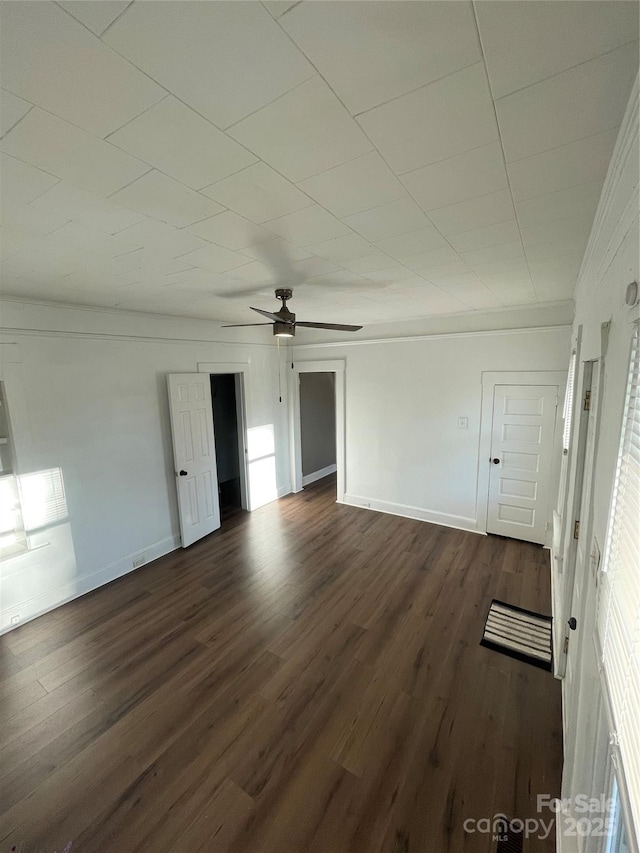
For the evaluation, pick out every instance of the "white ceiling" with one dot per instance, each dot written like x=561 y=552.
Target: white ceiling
x=391 y=160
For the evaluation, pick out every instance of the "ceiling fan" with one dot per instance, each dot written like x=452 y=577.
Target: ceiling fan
x=284 y=321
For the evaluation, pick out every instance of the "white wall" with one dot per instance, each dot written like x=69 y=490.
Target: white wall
x=611 y=262
x=405 y=453
x=87 y=394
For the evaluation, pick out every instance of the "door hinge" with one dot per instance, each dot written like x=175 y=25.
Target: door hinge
x=566 y=644
x=576 y=529
x=587 y=400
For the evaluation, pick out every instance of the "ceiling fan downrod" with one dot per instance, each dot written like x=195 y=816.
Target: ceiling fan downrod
x=285 y=327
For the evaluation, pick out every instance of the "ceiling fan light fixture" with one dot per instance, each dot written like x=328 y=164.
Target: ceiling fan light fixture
x=284 y=330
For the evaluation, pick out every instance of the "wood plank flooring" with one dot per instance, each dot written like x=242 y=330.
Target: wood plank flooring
x=307 y=680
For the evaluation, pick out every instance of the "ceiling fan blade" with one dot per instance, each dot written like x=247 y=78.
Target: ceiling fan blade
x=268 y=314
x=243 y=325
x=275 y=255
x=339 y=326
x=237 y=293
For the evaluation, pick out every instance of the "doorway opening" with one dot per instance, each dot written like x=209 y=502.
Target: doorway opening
x=318 y=428
x=338 y=424
x=227 y=425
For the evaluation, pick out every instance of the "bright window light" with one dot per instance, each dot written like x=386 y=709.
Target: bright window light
x=260 y=442
x=262 y=481
x=261 y=448
x=43 y=498
x=9 y=504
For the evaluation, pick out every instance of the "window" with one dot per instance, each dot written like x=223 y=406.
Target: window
x=618 y=840
x=13 y=539
x=619 y=603
x=43 y=498
x=567 y=414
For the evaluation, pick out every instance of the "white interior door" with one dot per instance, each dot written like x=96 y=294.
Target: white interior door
x=194 y=454
x=562 y=517
x=581 y=571
x=522 y=439
x=574 y=532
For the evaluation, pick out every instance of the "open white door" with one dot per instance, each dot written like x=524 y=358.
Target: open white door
x=576 y=541
x=578 y=661
x=573 y=441
x=522 y=441
x=194 y=454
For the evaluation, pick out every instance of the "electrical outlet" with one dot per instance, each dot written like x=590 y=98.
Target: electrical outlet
x=139 y=561
x=15 y=619
x=463 y=423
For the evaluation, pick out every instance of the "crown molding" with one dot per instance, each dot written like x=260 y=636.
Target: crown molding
x=100 y=336
x=99 y=309
x=438 y=336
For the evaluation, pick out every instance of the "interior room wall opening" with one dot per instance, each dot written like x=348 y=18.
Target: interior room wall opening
x=226 y=425
x=318 y=426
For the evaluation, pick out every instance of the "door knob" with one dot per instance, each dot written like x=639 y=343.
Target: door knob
x=183 y=473
x=573 y=624
x=496 y=461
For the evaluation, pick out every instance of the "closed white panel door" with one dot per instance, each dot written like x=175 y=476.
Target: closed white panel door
x=522 y=436
x=194 y=455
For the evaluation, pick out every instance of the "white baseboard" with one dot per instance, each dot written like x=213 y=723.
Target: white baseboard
x=460 y=522
x=318 y=475
x=40 y=604
x=284 y=490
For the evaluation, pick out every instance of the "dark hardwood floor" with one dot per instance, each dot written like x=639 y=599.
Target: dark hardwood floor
x=308 y=679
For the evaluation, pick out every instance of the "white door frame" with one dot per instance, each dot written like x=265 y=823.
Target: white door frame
x=238 y=370
x=489 y=380
x=338 y=367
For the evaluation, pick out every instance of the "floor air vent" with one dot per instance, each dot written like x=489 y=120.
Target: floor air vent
x=510 y=840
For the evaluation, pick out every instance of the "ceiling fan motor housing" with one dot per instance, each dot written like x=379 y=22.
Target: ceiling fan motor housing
x=286 y=330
